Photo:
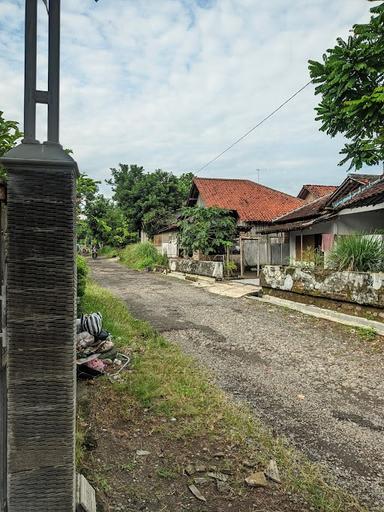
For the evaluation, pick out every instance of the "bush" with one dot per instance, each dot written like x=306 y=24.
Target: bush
x=82 y=272
x=358 y=253
x=109 y=251
x=141 y=256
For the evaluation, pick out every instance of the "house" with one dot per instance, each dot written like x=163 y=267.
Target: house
x=166 y=241
x=253 y=204
x=356 y=206
x=312 y=192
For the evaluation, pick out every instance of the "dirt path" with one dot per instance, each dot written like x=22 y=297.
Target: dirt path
x=313 y=381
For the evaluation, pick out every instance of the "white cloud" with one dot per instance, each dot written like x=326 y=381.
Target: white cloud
x=170 y=84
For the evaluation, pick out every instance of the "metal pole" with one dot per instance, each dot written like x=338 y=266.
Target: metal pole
x=281 y=251
x=241 y=258
x=30 y=71
x=53 y=71
x=301 y=246
x=258 y=257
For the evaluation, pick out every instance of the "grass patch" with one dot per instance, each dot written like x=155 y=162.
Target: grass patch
x=142 y=256
x=109 y=252
x=366 y=333
x=168 y=384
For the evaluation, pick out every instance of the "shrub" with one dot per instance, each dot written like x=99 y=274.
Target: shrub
x=209 y=230
x=312 y=258
x=230 y=268
x=362 y=253
x=109 y=251
x=141 y=256
x=82 y=272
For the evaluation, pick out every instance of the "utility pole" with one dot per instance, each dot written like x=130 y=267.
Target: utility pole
x=40 y=297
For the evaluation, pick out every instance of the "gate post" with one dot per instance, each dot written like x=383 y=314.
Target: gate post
x=41 y=284
x=40 y=296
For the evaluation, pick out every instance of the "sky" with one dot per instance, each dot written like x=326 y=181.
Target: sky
x=171 y=83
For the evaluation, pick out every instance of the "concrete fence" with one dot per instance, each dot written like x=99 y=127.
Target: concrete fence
x=197 y=267
x=365 y=288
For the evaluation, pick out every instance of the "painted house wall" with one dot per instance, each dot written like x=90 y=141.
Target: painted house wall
x=166 y=243
x=343 y=224
x=200 y=202
x=359 y=222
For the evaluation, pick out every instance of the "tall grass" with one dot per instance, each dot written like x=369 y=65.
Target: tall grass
x=358 y=253
x=108 y=251
x=141 y=256
x=82 y=272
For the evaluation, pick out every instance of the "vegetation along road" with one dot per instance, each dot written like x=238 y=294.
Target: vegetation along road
x=319 y=384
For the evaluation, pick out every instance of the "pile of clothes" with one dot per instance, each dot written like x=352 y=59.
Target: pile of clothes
x=95 y=350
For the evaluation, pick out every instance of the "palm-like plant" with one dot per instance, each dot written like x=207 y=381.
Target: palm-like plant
x=362 y=253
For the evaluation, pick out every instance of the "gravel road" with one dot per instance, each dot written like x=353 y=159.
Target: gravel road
x=311 y=380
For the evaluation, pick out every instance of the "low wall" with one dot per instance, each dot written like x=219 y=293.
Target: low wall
x=359 y=287
x=200 y=268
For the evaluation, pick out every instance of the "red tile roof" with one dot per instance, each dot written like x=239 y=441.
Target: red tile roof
x=251 y=201
x=317 y=191
x=370 y=194
x=308 y=210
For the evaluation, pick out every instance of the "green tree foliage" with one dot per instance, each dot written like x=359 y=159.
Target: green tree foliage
x=351 y=82
x=185 y=184
x=148 y=200
x=82 y=272
x=107 y=224
x=9 y=136
x=99 y=219
x=209 y=230
x=86 y=190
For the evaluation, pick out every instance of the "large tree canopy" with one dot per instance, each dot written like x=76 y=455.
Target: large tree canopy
x=107 y=224
x=99 y=220
x=351 y=82
x=148 y=200
x=9 y=136
x=209 y=230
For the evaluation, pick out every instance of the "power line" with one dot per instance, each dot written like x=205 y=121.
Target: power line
x=254 y=127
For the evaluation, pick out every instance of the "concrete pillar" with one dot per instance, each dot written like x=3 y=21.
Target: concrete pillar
x=40 y=328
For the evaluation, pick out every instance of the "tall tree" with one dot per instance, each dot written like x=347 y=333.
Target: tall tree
x=9 y=136
x=209 y=230
x=107 y=224
x=351 y=82
x=148 y=200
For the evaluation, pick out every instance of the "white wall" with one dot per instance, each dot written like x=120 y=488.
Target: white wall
x=199 y=201
x=366 y=222
x=344 y=224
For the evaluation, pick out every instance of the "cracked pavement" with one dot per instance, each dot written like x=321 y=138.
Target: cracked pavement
x=314 y=382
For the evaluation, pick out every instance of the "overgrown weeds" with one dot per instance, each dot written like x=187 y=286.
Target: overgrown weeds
x=142 y=256
x=109 y=252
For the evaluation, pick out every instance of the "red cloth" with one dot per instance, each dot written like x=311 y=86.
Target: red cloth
x=327 y=242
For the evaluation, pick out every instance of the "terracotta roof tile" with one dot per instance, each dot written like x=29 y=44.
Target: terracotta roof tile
x=317 y=191
x=251 y=201
x=308 y=210
x=370 y=194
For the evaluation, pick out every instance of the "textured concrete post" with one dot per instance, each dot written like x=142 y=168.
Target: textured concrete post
x=40 y=326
